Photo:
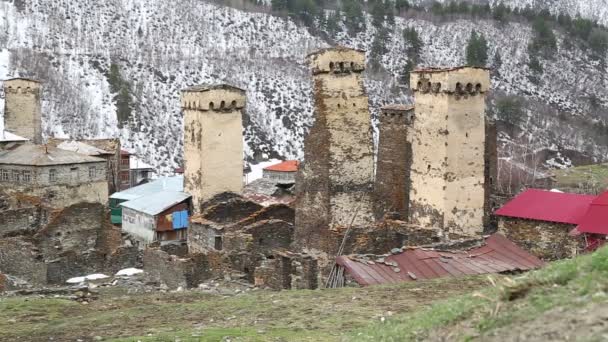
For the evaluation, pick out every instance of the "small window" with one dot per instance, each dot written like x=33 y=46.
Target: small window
x=27 y=176
x=92 y=172
x=218 y=243
x=52 y=175
x=5 y=175
x=16 y=176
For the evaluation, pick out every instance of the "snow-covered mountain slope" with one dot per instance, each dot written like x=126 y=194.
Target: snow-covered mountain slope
x=590 y=9
x=162 y=47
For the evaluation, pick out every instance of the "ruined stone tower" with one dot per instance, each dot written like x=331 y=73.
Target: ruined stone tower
x=392 y=185
x=335 y=182
x=22 y=113
x=448 y=174
x=213 y=141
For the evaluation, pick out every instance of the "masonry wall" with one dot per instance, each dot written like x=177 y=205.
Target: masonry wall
x=213 y=142
x=448 y=144
x=547 y=240
x=69 y=187
x=392 y=184
x=335 y=183
x=22 y=114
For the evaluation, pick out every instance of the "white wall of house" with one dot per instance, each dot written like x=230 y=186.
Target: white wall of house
x=140 y=226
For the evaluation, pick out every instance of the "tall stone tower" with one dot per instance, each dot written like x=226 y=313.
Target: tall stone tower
x=213 y=141
x=22 y=113
x=392 y=185
x=448 y=174
x=335 y=182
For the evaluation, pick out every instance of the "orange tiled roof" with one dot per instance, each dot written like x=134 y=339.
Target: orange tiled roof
x=286 y=166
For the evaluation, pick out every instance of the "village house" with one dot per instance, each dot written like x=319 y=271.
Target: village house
x=140 y=171
x=283 y=173
x=59 y=178
x=108 y=149
x=541 y=221
x=171 y=184
x=161 y=217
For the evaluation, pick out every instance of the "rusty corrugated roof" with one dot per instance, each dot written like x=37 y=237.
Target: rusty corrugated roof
x=497 y=255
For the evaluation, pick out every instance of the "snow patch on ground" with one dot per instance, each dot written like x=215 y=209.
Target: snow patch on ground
x=78 y=280
x=129 y=272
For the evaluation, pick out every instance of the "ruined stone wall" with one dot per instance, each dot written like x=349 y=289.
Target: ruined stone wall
x=75 y=228
x=22 y=221
x=448 y=145
x=21 y=258
x=392 y=184
x=547 y=240
x=334 y=187
x=22 y=109
x=202 y=237
x=213 y=141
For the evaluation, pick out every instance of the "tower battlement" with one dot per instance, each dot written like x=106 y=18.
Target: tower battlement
x=337 y=60
x=218 y=98
x=459 y=81
x=397 y=114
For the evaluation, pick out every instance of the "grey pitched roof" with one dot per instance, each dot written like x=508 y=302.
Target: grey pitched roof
x=173 y=184
x=43 y=155
x=156 y=203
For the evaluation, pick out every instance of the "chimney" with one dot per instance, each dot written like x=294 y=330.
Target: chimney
x=22 y=109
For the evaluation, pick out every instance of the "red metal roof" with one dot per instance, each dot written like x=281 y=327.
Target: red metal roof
x=595 y=220
x=286 y=166
x=496 y=256
x=548 y=206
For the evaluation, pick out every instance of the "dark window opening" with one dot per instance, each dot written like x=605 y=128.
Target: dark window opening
x=218 y=243
x=233 y=104
x=469 y=87
x=211 y=105
x=222 y=104
x=331 y=66
x=341 y=66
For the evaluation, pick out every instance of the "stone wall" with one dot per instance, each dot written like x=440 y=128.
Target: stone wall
x=448 y=144
x=22 y=221
x=392 y=184
x=213 y=141
x=335 y=183
x=547 y=240
x=175 y=272
x=22 y=109
x=202 y=236
x=69 y=187
x=20 y=257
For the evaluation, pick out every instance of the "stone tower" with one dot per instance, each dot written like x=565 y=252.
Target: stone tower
x=448 y=174
x=22 y=113
x=392 y=185
x=335 y=182
x=213 y=141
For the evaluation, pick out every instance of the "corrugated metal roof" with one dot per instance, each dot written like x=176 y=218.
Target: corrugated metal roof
x=174 y=184
x=286 y=166
x=496 y=256
x=156 y=203
x=548 y=206
x=43 y=155
x=595 y=220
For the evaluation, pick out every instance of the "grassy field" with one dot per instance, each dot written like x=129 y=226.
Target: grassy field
x=324 y=315
x=565 y=301
x=592 y=177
